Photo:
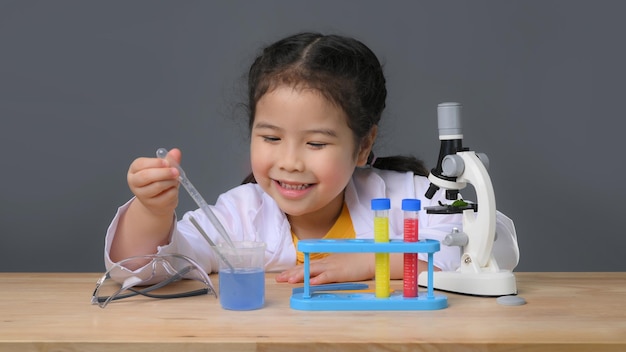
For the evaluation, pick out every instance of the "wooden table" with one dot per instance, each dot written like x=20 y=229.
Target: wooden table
x=565 y=312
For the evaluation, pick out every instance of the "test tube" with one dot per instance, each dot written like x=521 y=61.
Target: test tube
x=381 y=207
x=410 y=208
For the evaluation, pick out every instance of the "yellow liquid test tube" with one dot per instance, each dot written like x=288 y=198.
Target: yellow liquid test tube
x=381 y=207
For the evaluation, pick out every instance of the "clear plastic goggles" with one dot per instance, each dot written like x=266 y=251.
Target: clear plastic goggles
x=162 y=277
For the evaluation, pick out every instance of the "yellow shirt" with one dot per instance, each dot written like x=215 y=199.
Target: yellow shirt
x=342 y=228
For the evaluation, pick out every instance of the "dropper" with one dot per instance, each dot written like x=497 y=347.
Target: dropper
x=193 y=192
x=211 y=243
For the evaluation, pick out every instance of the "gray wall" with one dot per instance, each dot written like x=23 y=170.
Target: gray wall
x=87 y=86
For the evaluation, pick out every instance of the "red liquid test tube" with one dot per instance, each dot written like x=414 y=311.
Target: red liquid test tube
x=410 y=208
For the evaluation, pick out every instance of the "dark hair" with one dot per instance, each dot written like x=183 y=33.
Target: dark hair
x=342 y=69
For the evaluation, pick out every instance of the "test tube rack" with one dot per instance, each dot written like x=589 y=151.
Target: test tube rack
x=308 y=300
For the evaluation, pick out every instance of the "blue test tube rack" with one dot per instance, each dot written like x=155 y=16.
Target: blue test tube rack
x=308 y=300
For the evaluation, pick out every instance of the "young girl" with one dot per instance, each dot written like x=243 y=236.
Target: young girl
x=315 y=102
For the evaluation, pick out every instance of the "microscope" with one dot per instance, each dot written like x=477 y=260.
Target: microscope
x=457 y=166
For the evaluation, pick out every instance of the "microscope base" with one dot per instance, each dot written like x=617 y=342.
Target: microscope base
x=498 y=283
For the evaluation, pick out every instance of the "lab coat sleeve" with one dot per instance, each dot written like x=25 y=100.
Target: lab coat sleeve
x=110 y=234
x=184 y=239
x=505 y=248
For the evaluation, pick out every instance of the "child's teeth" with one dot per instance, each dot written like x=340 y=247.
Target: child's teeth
x=294 y=187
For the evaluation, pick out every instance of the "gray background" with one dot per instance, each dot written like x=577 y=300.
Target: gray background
x=87 y=86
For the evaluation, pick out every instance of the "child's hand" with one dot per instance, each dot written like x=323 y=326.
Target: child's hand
x=337 y=267
x=155 y=183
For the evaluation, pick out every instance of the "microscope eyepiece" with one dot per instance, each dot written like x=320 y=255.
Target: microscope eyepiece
x=449 y=121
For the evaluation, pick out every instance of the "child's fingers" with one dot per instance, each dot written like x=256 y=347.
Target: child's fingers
x=145 y=171
x=146 y=163
x=322 y=273
x=175 y=155
x=158 y=197
x=318 y=271
x=156 y=189
x=292 y=275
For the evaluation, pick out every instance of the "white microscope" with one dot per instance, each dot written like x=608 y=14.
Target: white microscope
x=479 y=273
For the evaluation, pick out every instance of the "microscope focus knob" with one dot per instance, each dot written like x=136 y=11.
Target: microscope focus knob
x=456 y=238
x=452 y=165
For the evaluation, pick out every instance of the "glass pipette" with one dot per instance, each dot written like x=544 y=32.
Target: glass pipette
x=211 y=243
x=195 y=195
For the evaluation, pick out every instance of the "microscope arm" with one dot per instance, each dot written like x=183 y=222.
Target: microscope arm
x=479 y=226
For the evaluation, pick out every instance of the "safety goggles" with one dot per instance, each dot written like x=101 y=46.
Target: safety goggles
x=161 y=276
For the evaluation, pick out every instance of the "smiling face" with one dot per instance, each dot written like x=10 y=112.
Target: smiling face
x=302 y=151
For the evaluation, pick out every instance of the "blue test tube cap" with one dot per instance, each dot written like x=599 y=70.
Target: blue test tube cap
x=410 y=204
x=381 y=204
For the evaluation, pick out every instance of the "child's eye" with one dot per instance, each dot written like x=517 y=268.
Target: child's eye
x=317 y=145
x=270 y=139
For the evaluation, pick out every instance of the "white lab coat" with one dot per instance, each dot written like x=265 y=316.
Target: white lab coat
x=248 y=213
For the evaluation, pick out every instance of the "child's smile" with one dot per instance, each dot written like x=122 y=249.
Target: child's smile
x=293 y=190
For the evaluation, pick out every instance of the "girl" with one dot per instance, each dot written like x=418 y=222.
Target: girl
x=315 y=102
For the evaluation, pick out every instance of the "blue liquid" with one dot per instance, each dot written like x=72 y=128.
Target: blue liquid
x=243 y=289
